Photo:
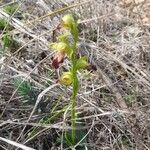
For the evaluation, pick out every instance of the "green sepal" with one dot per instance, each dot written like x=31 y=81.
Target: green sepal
x=82 y=63
x=64 y=37
x=52 y=45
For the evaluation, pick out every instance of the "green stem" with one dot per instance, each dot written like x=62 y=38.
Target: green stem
x=75 y=83
x=75 y=91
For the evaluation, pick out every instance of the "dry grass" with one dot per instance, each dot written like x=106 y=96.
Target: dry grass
x=113 y=103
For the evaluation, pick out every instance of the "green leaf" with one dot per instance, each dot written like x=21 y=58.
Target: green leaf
x=5 y=25
x=10 y=9
x=6 y=40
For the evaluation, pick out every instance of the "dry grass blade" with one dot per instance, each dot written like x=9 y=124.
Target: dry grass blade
x=115 y=37
x=28 y=75
x=36 y=104
x=58 y=11
x=19 y=25
x=16 y=144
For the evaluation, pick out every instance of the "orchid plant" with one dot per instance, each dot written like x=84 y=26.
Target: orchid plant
x=66 y=49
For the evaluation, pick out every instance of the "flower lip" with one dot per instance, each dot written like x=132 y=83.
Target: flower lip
x=58 y=59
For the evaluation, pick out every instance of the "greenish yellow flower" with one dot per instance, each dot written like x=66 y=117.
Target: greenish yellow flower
x=66 y=78
x=68 y=21
x=60 y=47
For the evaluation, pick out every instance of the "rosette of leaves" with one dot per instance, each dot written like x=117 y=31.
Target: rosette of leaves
x=26 y=90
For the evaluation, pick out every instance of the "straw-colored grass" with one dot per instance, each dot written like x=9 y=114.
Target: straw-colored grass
x=113 y=103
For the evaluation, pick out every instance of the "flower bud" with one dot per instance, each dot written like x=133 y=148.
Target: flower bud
x=68 y=21
x=66 y=78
